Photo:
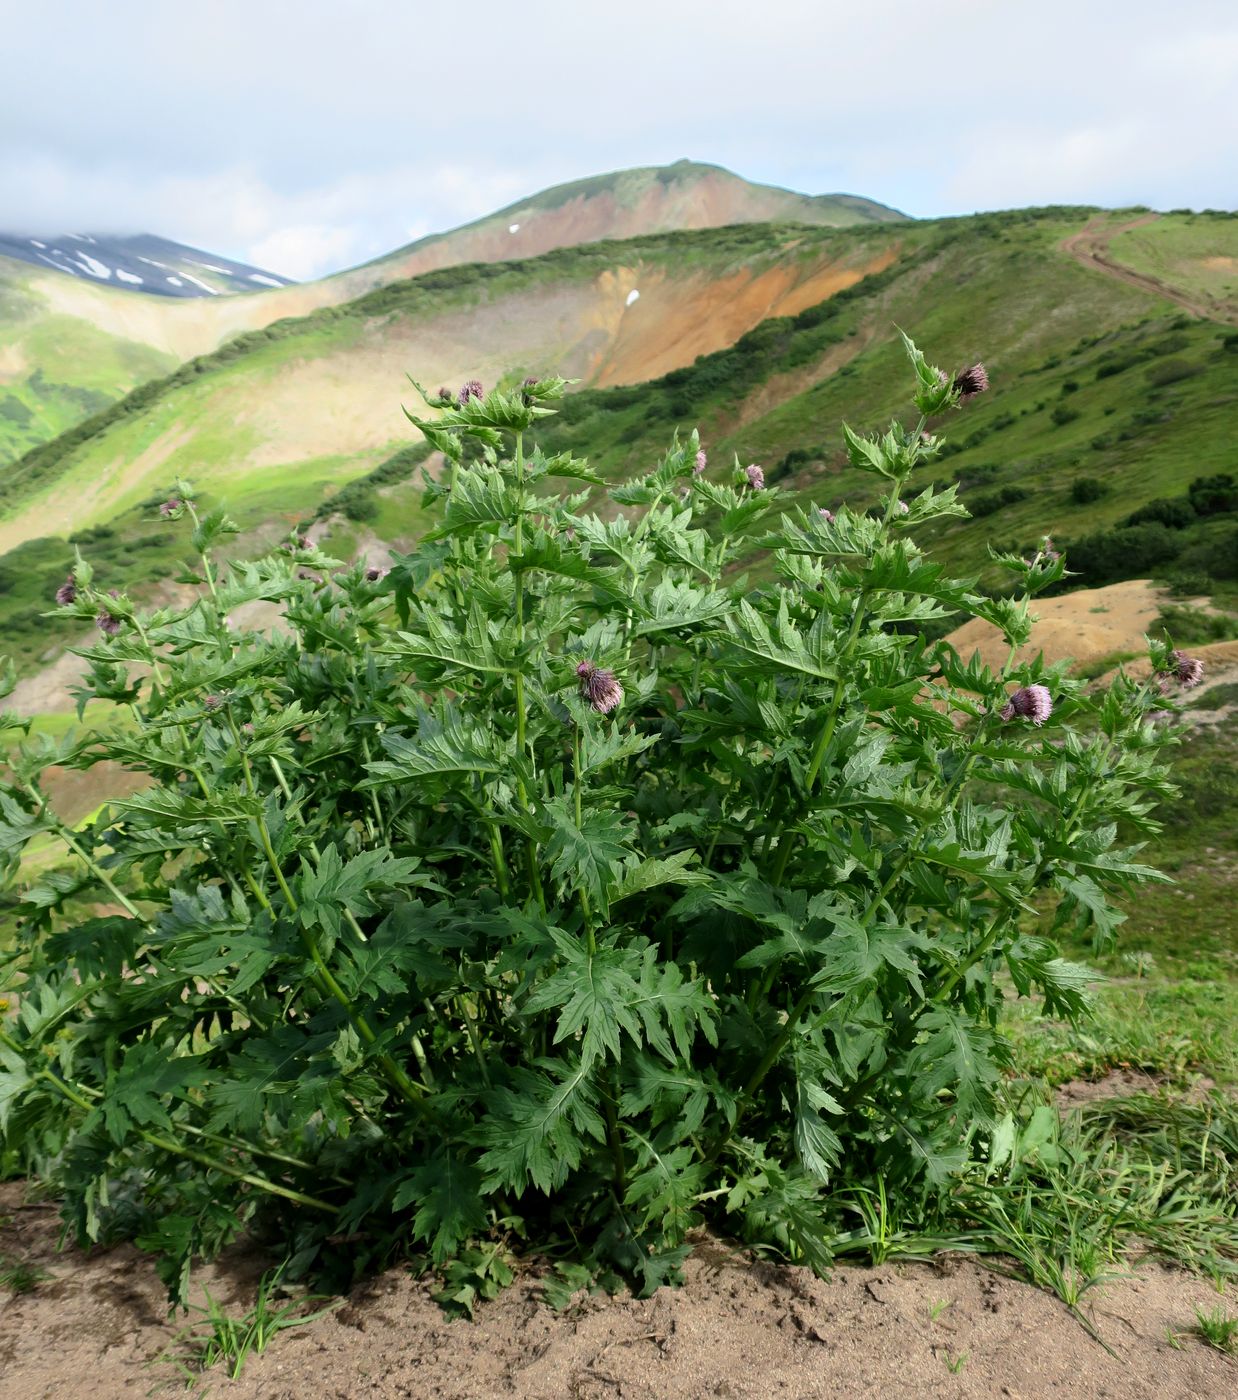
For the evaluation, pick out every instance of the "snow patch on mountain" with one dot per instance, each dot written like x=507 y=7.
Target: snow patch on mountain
x=126 y=261
x=93 y=265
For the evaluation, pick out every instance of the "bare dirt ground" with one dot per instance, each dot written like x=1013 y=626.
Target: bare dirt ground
x=738 y=1327
x=1085 y=626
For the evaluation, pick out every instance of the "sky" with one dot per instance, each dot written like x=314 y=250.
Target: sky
x=307 y=137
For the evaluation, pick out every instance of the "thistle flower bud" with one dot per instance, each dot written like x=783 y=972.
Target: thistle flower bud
x=67 y=592
x=903 y=508
x=1029 y=702
x=445 y=396
x=701 y=463
x=826 y=515
x=970 y=382
x=372 y=575
x=212 y=702
x=170 y=506
x=471 y=389
x=600 y=688
x=756 y=476
x=106 y=623
x=1188 y=670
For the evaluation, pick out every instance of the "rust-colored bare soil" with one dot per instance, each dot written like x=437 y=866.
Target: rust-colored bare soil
x=737 y=1328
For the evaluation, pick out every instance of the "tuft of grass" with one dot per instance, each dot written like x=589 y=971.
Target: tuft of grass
x=1218 y=1329
x=222 y=1340
x=19 y=1275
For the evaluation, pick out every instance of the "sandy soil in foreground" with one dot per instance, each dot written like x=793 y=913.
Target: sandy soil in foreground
x=738 y=1328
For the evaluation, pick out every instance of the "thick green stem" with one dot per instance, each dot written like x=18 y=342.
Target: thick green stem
x=535 y=877
x=590 y=939
x=474 y=1039
x=404 y=1085
x=75 y=1096
x=615 y=1140
x=95 y=869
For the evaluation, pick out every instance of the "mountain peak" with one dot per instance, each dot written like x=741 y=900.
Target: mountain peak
x=141 y=262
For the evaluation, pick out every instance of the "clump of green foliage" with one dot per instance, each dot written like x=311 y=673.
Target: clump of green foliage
x=559 y=885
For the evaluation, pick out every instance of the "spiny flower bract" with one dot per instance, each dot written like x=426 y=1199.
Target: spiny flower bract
x=601 y=688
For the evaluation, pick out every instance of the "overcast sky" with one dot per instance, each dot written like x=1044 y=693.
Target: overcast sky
x=309 y=136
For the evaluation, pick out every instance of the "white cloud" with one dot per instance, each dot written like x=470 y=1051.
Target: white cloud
x=306 y=138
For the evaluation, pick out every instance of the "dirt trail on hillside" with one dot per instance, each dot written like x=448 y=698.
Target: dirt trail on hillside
x=1090 y=246
x=738 y=1327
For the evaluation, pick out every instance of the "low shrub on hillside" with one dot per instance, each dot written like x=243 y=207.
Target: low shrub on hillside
x=556 y=887
x=1084 y=490
x=992 y=501
x=1169 y=537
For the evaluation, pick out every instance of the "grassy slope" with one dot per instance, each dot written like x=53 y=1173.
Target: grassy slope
x=995 y=287
x=1195 y=252
x=207 y=408
x=112 y=339
x=1170 y=1006
x=57 y=369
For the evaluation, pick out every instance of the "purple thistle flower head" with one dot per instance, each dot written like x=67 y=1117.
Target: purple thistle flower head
x=701 y=463
x=1188 y=670
x=756 y=476
x=600 y=688
x=67 y=592
x=970 y=382
x=470 y=390
x=826 y=515
x=903 y=508
x=212 y=702
x=1029 y=702
x=170 y=506
x=445 y=396
x=106 y=623
x=525 y=397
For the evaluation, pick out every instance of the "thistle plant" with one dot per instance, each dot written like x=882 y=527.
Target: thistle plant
x=618 y=861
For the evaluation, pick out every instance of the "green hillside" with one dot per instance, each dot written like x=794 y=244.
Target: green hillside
x=1106 y=397
x=1094 y=382
x=56 y=369
x=257 y=416
x=70 y=347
